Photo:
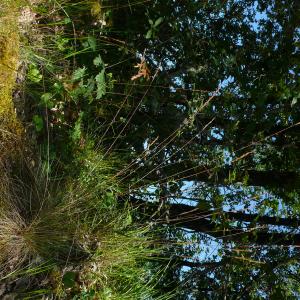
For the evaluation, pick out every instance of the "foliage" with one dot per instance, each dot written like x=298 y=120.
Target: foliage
x=187 y=111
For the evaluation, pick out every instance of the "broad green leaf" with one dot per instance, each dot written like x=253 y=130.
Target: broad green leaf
x=34 y=74
x=128 y=220
x=149 y=34
x=78 y=74
x=294 y=101
x=98 y=62
x=158 y=21
x=69 y=279
x=38 y=123
x=61 y=43
x=101 y=86
x=67 y=20
x=92 y=42
x=46 y=100
x=76 y=134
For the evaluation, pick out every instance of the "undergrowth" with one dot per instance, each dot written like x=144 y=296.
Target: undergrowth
x=64 y=232
x=73 y=233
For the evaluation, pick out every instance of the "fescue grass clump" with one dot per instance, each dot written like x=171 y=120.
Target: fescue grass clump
x=31 y=225
x=76 y=226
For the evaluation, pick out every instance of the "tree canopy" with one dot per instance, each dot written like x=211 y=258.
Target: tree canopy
x=213 y=119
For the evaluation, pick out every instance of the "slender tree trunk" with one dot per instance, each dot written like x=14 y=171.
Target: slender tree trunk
x=192 y=218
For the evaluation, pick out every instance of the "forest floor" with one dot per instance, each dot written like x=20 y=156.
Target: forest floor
x=65 y=238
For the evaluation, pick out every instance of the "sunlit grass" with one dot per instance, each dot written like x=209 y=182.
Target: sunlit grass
x=75 y=230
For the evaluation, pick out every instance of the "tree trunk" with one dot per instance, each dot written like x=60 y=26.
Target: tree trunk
x=288 y=180
x=194 y=219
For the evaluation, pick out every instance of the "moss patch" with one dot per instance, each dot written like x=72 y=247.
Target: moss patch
x=10 y=128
